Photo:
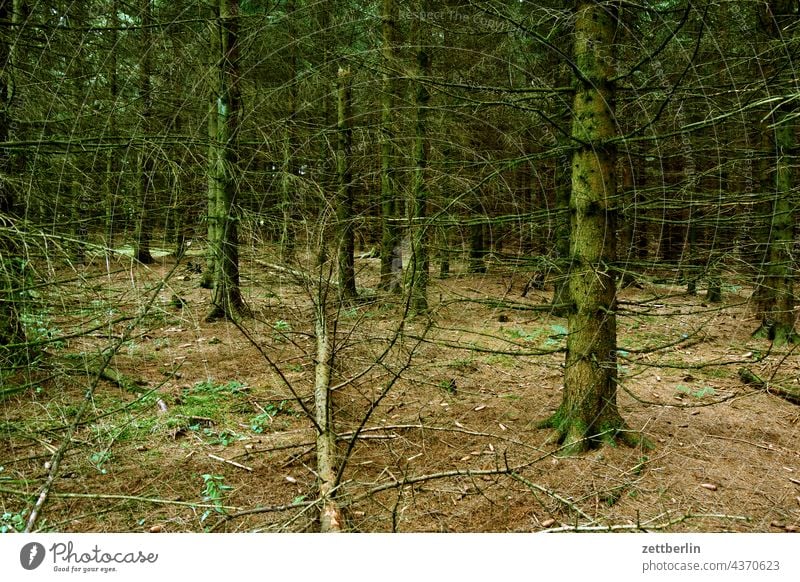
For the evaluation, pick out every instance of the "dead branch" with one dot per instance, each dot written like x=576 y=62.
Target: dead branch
x=109 y=354
x=644 y=526
x=552 y=494
x=751 y=379
x=234 y=463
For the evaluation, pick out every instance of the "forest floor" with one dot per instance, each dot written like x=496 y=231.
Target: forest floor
x=192 y=426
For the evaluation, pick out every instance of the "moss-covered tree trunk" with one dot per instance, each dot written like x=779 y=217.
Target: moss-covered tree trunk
x=563 y=187
x=419 y=263
x=207 y=280
x=145 y=191
x=776 y=294
x=11 y=329
x=226 y=298
x=110 y=183
x=477 y=247
x=391 y=255
x=344 y=194
x=625 y=232
x=588 y=412
x=288 y=185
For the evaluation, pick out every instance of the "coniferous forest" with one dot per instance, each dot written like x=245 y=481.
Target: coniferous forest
x=469 y=265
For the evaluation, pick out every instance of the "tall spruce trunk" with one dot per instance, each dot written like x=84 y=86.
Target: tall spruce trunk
x=11 y=329
x=588 y=412
x=344 y=194
x=112 y=166
x=561 y=302
x=207 y=280
x=775 y=293
x=288 y=185
x=391 y=255
x=419 y=264
x=226 y=297
x=145 y=191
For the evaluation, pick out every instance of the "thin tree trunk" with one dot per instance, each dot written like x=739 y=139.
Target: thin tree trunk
x=344 y=202
x=212 y=251
x=419 y=263
x=11 y=329
x=145 y=191
x=112 y=167
x=561 y=301
x=391 y=255
x=327 y=76
x=289 y=172
x=226 y=298
x=477 y=248
x=331 y=519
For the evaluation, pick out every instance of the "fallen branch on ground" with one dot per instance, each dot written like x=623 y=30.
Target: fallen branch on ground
x=789 y=394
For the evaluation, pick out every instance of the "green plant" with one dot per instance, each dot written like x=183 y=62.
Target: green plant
x=261 y=422
x=281 y=328
x=214 y=493
x=465 y=364
x=204 y=404
x=350 y=313
x=448 y=386
x=39 y=328
x=223 y=438
x=98 y=459
x=12 y=522
x=501 y=360
x=526 y=336
x=700 y=393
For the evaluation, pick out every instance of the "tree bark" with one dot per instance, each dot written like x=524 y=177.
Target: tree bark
x=391 y=255
x=344 y=202
x=207 y=280
x=11 y=329
x=419 y=264
x=288 y=202
x=331 y=519
x=477 y=248
x=776 y=293
x=588 y=412
x=145 y=191
x=226 y=300
x=561 y=300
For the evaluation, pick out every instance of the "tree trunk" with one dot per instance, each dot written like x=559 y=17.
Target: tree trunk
x=776 y=295
x=11 y=329
x=112 y=167
x=207 y=280
x=288 y=200
x=588 y=413
x=561 y=301
x=331 y=519
x=226 y=298
x=419 y=263
x=344 y=202
x=477 y=248
x=146 y=194
x=391 y=255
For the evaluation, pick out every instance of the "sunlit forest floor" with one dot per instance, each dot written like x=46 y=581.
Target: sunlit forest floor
x=191 y=425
